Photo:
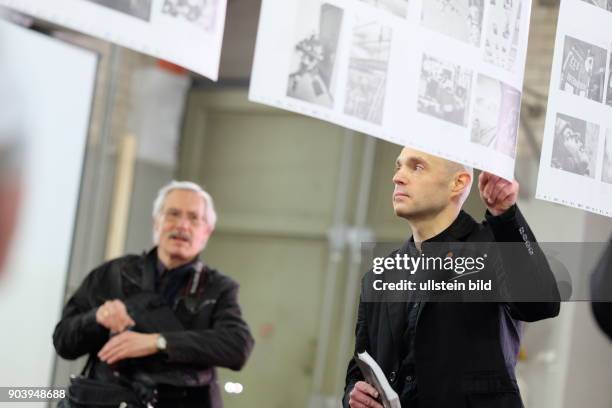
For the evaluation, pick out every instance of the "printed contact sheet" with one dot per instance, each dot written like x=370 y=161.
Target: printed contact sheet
x=576 y=161
x=441 y=76
x=188 y=33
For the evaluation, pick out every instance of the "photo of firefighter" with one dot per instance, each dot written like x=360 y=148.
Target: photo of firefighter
x=202 y=13
x=606 y=172
x=444 y=90
x=367 y=73
x=604 y=4
x=136 y=8
x=575 y=146
x=502 y=33
x=313 y=73
x=495 y=119
x=583 y=69
x=396 y=7
x=460 y=19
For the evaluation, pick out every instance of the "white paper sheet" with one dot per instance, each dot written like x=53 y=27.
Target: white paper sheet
x=438 y=75
x=576 y=161
x=188 y=33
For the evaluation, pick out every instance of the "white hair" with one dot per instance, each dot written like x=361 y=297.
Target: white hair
x=209 y=212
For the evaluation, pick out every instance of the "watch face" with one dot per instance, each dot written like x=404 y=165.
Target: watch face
x=161 y=342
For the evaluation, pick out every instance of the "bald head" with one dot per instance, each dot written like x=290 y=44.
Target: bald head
x=426 y=185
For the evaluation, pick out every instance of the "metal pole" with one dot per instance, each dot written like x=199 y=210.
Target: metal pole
x=358 y=235
x=337 y=244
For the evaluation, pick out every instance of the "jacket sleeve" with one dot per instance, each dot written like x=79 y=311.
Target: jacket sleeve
x=353 y=373
x=601 y=289
x=78 y=332
x=228 y=343
x=532 y=292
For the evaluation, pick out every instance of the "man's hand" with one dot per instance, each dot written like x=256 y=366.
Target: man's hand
x=364 y=395
x=497 y=193
x=114 y=316
x=128 y=345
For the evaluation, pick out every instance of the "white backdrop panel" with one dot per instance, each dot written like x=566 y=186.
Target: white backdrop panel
x=49 y=85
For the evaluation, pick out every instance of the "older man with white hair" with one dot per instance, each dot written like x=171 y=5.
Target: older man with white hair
x=158 y=324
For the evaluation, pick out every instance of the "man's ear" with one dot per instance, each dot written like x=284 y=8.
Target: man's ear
x=156 y=225
x=462 y=182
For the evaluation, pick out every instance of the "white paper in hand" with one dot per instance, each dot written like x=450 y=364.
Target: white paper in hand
x=376 y=378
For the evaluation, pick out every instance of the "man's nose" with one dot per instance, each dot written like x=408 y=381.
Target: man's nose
x=183 y=223
x=399 y=178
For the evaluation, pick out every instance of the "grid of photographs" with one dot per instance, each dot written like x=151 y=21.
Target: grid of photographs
x=136 y=8
x=313 y=72
x=354 y=63
x=202 y=13
x=583 y=69
x=367 y=72
x=575 y=145
x=396 y=7
x=460 y=19
x=444 y=90
x=576 y=161
x=495 y=119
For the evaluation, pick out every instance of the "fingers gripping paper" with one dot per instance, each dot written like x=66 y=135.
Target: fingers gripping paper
x=576 y=161
x=186 y=32
x=441 y=76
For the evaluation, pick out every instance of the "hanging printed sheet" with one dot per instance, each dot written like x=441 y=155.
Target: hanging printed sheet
x=576 y=161
x=188 y=33
x=441 y=76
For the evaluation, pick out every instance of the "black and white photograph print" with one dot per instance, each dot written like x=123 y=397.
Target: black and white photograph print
x=444 y=90
x=460 y=19
x=583 y=69
x=575 y=145
x=202 y=13
x=606 y=171
x=604 y=4
x=367 y=73
x=313 y=68
x=495 y=117
x=503 y=32
x=136 y=8
x=608 y=90
x=396 y=7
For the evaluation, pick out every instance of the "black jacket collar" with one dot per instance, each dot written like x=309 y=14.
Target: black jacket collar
x=459 y=230
x=146 y=273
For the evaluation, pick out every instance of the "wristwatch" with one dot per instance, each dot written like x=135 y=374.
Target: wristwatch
x=161 y=343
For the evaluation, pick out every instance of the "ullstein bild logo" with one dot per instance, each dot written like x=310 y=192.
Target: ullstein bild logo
x=405 y=262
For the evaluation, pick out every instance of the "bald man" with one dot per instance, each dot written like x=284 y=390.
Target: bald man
x=439 y=355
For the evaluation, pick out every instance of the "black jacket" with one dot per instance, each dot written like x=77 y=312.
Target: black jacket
x=601 y=289
x=464 y=353
x=209 y=333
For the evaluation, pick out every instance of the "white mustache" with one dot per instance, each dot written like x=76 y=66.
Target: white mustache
x=180 y=235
